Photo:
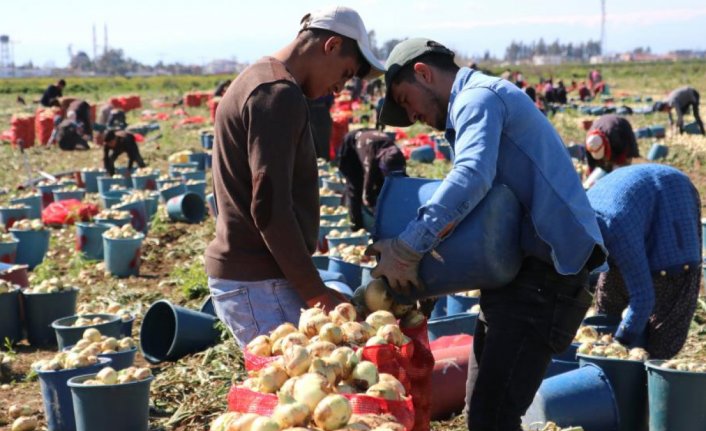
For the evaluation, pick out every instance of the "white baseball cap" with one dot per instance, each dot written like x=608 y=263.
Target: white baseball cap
x=346 y=22
x=595 y=146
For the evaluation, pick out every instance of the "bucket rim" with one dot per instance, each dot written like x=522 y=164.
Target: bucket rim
x=24 y=208
x=359 y=265
x=43 y=229
x=125 y=352
x=125 y=220
x=12 y=241
x=101 y=361
x=456 y=316
x=112 y=318
x=655 y=365
x=612 y=360
x=76 y=382
x=90 y=224
x=140 y=237
x=61 y=292
x=161 y=303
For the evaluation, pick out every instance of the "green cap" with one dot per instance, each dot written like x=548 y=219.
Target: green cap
x=404 y=53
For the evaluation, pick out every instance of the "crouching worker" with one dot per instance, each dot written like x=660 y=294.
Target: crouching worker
x=117 y=143
x=610 y=143
x=649 y=216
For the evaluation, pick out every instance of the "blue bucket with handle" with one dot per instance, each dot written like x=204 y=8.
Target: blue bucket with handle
x=34 y=203
x=188 y=208
x=657 y=151
x=352 y=272
x=8 y=251
x=138 y=212
x=68 y=335
x=145 y=182
x=105 y=184
x=10 y=327
x=8 y=216
x=200 y=159
x=41 y=309
x=122 y=256
x=113 y=197
x=483 y=252
x=69 y=194
x=676 y=398
x=90 y=180
x=33 y=246
x=89 y=239
x=170 y=192
x=198 y=187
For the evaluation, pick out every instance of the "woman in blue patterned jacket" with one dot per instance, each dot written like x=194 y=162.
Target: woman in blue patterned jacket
x=649 y=216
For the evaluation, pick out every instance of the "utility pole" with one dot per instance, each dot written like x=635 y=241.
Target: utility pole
x=105 y=39
x=603 y=46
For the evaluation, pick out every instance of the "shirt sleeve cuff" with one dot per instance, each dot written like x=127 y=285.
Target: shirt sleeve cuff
x=418 y=237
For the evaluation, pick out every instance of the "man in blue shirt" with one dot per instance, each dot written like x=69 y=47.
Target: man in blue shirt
x=650 y=217
x=498 y=136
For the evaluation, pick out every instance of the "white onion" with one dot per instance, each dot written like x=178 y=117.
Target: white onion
x=332 y=412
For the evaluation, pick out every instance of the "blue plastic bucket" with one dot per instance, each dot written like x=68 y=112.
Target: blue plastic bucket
x=454 y=324
x=73 y=194
x=145 y=182
x=423 y=154
x=334 y=217
x=676 y=398
x=113 y=197
x=121 y=360
x=325 y=230
x=173 y=191
x=152 y=205
x=352 y=272
x=439 y=307
x=118 y=407
x=558 y=366
x=692 y=128
x=34 y=203
x=8 y=216
x=199 y=188
x=602 y=323
x=124 y=171
x=122 y=256
x=582 y=397
x=138 y=213
x=629 y=382
x=327 y=275
x=126 y=327
x=200 y=160
x=89 y=239
x=658 y=131
x=643 y=132
x=105 y=183
x=41 y=309
x=482 y=253
x=169 y=332
x=56 y=395
x=211 y=200
x=456 y=304
x=207 y=141
x=209 y=160
x=33 y=246
x=333 y=185
x=90 y=180
x=67 y=335
x=349 y=240
x=113 y=221
x=10 y=327
x=330 y=200
x=658 y=151
x=366 y=274
x=446 y=151
x=188 y=208
x=174 y=166
x=47 y=192
x=207 y=306
x=8 y=251
x=320 y=261
x=194 y=175
x=569 y=354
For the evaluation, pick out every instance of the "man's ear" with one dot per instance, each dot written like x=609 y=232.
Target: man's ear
x=332 y=44
x=424 y=72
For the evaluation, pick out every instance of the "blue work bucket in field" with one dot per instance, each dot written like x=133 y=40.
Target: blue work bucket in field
x=126 y=327
x=89 y=239
x=676 y=398
x=105 y=183
x=657 y=151
x=119 y=360
x=454 y=324
x=484 y=250
x=170 y=192
x=10 y=326
x=113 y=197
x=145 y=182
x=188 y=208
x=47 y=192
x=68 y=335
x=90 y=180
x=207 y=141
x=118 y=407
x=348 y=240
x=198 y=187
x=41 y=309
x=34 y=203
x=170 y=332
x=602 y=323
x=558 y=366
x=69 y=194
x=200 y=159
x=330 y=200
x=423 y=154
x=122 y=256
x=56 y=395
x=33 y=246
x=440 y=307
x=456 y=304
x=8 y=216
x=582 y=397
x=194 y=175
x=658 y=131
x=8 y=251
x=211 y=200
x=629 y=382
x=330 y=182
x=175 y=167
x=119 y=222
x=692 y=128
x=351 y=271
x=138 y=212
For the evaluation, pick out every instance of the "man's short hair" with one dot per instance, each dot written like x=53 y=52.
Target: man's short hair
x=349 y=48
x=440 y=61
x=109 y=136
x=62 y=82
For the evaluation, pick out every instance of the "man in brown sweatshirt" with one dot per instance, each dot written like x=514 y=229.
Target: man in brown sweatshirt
x=265 y=175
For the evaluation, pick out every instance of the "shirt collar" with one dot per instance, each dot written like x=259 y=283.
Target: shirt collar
x=462 y=77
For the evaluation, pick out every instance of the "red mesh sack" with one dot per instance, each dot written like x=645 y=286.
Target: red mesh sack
x=22 y=127
x=192 y=100
x=68 y=212
x=255 y=362
x=420 y=367
x=246 y=401
x=44 y=125
x=212 y=106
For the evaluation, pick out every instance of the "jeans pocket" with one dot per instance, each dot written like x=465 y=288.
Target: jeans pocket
x=289 y=301
x=234 y=309
x=569 y=312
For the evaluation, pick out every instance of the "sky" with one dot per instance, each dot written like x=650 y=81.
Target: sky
x=196 y=32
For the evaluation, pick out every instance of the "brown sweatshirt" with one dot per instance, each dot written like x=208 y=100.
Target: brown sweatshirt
x=265 y=180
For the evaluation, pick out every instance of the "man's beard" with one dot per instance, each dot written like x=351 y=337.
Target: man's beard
x=439 y=122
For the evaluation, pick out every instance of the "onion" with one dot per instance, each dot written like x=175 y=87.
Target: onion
x=320 y=349
x=310 y=326
x=277 y=346
x=585 y=348
x=393 y=426
x=387 y=391
x=310 y=388
x=272 y=378
x=260 y=346
x=413 y=319
x=15 y=411
x=264 y=424
x=376 y=341
x=345 y=388
x=354 y=333
x=282 y=330
x=92 y=334
x=243 y=423
x=392 y=380
x=296 y=360
x=376 y=296
x=294 y=339
x=391 y=334
x=142 y=373
x=399 y=310
x=332 y=412
x=379 y=319
x=346 y=357
x=290 y=413
x=108 y=376
x=223 y=422
x=110 y=343
x=252 y=383
x=343 y=313
x=335 y=366
x=332 y=333
x=320 y=367
x=24 y=424
x=365 y=375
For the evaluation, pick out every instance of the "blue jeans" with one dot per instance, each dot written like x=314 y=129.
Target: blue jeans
x=252 y=308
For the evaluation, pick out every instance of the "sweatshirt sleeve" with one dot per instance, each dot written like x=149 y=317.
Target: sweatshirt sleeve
x=276 y=118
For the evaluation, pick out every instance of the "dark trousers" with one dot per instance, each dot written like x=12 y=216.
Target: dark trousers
x=520 y=327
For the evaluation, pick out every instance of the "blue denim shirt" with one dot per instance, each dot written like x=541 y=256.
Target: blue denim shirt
x=499 y=136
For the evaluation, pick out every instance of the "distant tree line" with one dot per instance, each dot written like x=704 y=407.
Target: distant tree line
x=114 y=62
x=518 y=51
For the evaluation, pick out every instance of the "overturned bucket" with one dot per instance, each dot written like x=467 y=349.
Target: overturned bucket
x=188 y=208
